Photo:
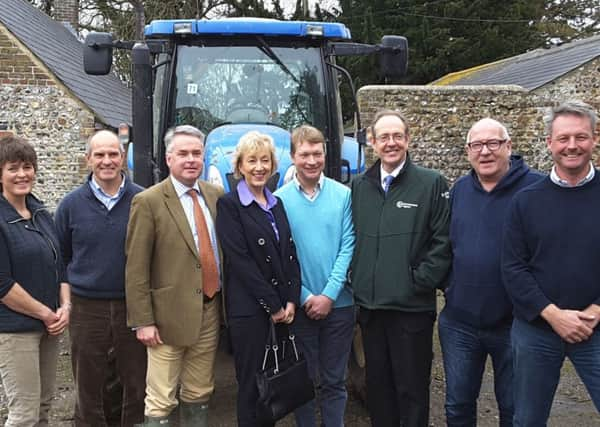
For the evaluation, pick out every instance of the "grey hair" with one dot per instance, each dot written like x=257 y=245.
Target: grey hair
x=573 y=107
x=181 y=130
x=489 y=121
x=88 y=144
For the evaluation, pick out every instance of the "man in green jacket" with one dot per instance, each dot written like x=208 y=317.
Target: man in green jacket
x=402 y=254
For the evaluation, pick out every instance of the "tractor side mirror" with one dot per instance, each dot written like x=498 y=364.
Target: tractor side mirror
x=97 y=53
x=393 y=56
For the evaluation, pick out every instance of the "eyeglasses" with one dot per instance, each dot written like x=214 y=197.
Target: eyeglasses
x=492 y=145
x=386 y=137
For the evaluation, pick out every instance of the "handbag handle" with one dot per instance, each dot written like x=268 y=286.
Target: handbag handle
x=272 y=345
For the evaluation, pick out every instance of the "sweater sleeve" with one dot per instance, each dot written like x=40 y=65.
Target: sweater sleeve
x=337 y=278
x=6 y=279
x=292 y=266
x=61 y=219
x=524 y=291
x=433 y=268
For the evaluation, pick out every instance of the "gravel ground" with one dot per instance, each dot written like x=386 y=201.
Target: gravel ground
x=572 y=405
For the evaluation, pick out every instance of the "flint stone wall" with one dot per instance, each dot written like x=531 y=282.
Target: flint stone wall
x=35 y=105
x=440 y=116
x=582 y=83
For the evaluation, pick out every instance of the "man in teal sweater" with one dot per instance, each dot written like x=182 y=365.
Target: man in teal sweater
x=320 y=217
x=400 y=212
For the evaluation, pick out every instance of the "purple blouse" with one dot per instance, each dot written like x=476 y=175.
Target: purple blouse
x=246 y=197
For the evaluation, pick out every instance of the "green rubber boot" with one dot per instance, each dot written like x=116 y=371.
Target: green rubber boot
x=157 y=422
x=193 y=414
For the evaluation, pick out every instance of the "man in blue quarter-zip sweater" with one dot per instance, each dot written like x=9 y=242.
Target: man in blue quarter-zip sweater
x=320 y=216
x=477 y=317
x=402 y=254
x=92 y=225
x=551 y=268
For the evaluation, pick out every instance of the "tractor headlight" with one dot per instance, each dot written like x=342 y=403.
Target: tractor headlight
x=214 y=176
x=289 y=174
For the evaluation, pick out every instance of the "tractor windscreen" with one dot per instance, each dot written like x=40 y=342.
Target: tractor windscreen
x=216 y=85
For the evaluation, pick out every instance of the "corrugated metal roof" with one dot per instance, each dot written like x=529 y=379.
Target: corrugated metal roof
x=529 y=70
x=61 y=51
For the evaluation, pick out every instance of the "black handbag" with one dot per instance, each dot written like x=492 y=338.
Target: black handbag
x=283 y=385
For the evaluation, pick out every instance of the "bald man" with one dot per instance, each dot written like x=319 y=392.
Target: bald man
x=92 y=225
x=477 y=317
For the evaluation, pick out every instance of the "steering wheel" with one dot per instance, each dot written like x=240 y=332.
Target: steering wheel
x=247 y=112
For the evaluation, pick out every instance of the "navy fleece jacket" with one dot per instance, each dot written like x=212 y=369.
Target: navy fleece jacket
x=476 y=295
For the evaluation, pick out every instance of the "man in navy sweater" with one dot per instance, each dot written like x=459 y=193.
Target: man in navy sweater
x=477 y=316
x=92 y=224
x=551 y=268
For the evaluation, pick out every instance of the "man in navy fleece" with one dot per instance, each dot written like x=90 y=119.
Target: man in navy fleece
x=477 y=316
x=92 y=224
x=551 y=268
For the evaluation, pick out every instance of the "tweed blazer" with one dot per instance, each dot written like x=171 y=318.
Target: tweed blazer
x=262 y=273
x=163 y=278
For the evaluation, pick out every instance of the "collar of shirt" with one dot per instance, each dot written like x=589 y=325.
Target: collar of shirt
x=182 y=189
x=563 y=183
x=106 y=199
x=246 y=196
x=317 y=188
x=394 y=173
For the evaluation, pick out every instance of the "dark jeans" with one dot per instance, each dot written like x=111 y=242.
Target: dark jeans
x=326 y=346
x=96 y=326
x=398 y=352
x=248 y=337
x=465 y=350
x=538 y=355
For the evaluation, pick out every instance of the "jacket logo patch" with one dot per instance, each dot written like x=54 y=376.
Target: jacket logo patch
x=404 y=205
x=445 y=194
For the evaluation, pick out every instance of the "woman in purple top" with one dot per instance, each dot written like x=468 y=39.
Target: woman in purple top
x=260 y=268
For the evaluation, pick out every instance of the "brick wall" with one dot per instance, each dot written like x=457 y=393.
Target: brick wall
x=16 y=67
x=36 y=106
x=440 y=116
x=67 y=11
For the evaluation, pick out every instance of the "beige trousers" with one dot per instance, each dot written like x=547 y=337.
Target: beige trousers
x=28 y=369
x=191 y=368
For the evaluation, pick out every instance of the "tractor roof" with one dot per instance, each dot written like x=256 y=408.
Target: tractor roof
x=247 y=26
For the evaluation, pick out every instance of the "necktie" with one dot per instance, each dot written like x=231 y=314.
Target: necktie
x=206 y=255
x=386 y=183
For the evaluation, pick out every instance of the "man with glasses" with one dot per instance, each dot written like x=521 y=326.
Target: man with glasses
x=402 y=255
x=551 y=267
x=477 y=315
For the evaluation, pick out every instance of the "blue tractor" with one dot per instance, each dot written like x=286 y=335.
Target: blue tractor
x=229 y=76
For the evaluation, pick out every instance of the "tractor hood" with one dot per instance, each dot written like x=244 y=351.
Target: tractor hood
x=220 y=145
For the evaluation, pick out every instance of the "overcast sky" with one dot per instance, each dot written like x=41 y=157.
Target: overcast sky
x=323 y=4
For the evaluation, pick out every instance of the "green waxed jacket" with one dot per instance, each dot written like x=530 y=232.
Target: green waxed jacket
x=402 y=251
